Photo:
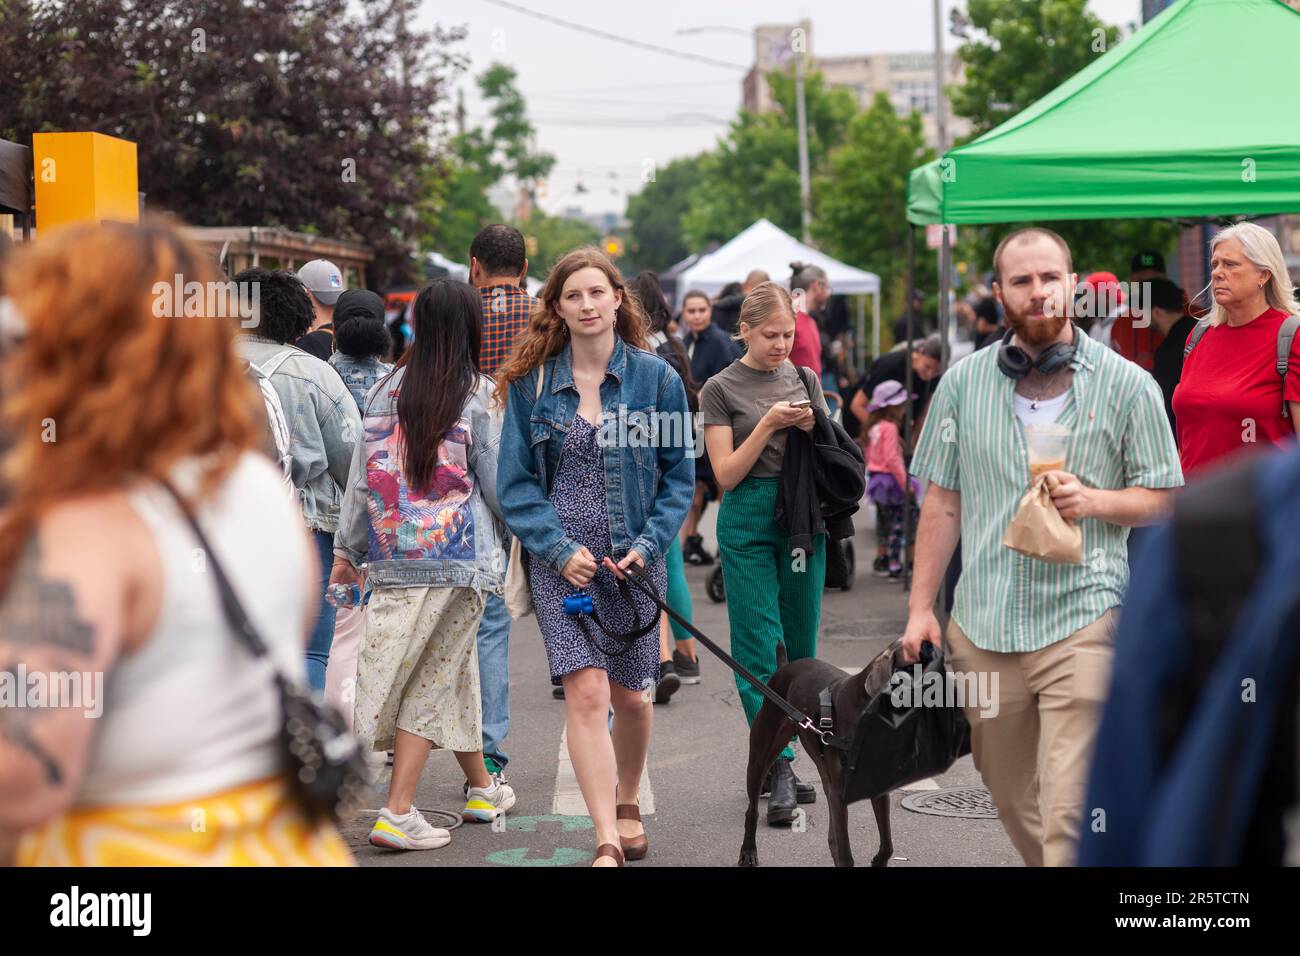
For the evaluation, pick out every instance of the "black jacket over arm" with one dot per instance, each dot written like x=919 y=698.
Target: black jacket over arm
x=823 y=479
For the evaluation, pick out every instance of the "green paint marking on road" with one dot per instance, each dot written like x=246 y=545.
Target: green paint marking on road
x=529 y=824
x=563 y=856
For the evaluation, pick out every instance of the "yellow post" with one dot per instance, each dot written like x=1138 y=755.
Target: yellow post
x=84 y=177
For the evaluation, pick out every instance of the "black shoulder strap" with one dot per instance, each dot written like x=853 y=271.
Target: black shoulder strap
x=807 y=381
x=1195 y=336
x=1219 y=554
x=1285 y=336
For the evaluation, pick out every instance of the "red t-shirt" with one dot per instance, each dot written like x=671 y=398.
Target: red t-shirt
x=807 y=348
x=1136 y=345
x=1230 y=382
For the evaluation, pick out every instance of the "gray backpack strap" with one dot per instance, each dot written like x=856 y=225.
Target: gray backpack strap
x=1285 y=335
x=1195 y=337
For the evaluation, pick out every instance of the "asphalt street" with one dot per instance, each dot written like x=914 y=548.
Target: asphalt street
x=694 y=803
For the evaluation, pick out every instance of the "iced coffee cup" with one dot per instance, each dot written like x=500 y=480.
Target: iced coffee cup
x=1047 y=446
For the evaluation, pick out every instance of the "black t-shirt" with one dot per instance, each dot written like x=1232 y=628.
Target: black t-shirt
x=1167 y=365
x=319 y=343
x=892 y=367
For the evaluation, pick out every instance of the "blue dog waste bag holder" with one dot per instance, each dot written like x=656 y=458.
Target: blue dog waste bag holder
x=897 y=743
x=579 y=603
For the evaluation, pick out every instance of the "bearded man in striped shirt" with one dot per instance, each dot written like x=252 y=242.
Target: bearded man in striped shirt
x=1041 y=633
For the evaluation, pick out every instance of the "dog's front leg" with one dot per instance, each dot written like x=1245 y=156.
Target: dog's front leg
x=881 y=807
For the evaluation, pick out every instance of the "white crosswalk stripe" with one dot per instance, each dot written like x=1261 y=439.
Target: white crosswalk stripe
x=568 y=795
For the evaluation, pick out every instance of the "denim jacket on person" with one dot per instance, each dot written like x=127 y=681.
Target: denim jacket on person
x=359 y=375
x=649 y=475
x=323 y=421
x=448 y=536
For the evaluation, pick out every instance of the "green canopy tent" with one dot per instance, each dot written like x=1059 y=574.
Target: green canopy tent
x=1197 y=114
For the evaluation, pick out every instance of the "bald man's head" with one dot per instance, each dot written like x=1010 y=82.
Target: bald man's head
x=756 y=277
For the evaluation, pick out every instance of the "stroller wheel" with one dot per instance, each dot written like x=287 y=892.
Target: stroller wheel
x=717 y=593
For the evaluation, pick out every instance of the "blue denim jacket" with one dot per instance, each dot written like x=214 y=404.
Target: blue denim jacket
x=649 y=471
x=359 y=375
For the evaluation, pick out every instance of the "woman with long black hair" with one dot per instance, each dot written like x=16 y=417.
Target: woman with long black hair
x=421 y=510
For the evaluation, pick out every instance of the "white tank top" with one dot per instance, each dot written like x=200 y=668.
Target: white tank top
x=191 y=712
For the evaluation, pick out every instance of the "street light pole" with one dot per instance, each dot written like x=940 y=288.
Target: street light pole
x=801 y=118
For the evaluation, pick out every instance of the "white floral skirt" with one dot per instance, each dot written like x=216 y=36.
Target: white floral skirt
x=418 y=668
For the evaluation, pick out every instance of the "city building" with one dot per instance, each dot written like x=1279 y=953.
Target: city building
x=907 y=78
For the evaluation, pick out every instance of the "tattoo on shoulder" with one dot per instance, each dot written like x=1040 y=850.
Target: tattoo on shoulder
x=40 y=610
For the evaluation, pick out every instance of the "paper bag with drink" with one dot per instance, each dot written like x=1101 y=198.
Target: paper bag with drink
x=1038 y=529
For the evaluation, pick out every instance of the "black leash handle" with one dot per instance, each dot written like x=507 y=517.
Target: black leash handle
x=642 y=582
x=625 y=638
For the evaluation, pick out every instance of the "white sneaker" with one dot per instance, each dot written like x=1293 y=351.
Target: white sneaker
x=484 y=807
x=407 y=832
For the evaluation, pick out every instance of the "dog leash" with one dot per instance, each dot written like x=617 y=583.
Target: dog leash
x=580 y=605
x=641 y=580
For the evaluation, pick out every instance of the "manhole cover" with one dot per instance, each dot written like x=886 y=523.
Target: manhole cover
x=973 y=803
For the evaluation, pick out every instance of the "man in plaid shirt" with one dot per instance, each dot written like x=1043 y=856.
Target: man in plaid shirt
x=498 y=265
x=497 y=268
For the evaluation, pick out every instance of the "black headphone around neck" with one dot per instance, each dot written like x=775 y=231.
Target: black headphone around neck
x=1015 y=363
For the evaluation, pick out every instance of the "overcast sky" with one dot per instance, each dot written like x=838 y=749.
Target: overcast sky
x=608 y=111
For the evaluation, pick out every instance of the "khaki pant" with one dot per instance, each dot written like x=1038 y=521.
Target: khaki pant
x=1034 y=754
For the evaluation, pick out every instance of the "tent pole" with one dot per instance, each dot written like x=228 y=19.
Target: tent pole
x=907 y=372
x=875 y=318
x=945 y=260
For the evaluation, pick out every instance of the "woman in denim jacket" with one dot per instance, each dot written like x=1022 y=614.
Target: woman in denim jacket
x=596 y=470
x=421 y=509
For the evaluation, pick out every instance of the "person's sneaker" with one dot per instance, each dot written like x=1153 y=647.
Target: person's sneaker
x=895 y=571
x=407 y=832
x=483 y=806
x=558 y=692
x=495 y=771
x=880 y=566
x=687 y=670
x=668 y=684
x=693 y=551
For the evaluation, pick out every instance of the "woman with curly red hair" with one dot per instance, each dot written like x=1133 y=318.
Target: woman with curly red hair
x=108 y=405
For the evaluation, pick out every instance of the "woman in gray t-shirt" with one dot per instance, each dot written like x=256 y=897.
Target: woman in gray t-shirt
x=773 y=595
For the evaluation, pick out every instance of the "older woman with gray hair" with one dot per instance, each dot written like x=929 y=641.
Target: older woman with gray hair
x=1240 y=385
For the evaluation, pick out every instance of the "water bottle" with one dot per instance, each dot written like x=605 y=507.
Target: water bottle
x=345 y=595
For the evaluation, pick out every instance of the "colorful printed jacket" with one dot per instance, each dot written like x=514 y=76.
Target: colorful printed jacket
x=445 y=536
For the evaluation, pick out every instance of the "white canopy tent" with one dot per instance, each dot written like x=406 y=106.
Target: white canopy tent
x=768 y=247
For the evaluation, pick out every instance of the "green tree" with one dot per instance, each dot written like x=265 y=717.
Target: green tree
x=554 y=236
x=482 y=157
x=655 y=213
x=314 y=115
x=1021 y=53
x=862 y=195
x=754 y=171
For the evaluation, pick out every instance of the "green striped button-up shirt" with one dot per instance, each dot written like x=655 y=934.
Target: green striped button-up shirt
x=973 y=443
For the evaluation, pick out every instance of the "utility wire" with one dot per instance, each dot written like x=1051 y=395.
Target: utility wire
x=617 y=38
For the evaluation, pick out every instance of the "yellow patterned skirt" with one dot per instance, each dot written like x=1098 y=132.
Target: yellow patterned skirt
x=257 y=824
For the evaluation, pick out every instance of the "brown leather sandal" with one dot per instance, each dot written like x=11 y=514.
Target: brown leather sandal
x=634 y=848
x=608 y=849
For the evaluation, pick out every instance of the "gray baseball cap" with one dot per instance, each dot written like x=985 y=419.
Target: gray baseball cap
x=323 y=280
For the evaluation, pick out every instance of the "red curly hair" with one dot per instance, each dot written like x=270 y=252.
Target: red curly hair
x=100 y=390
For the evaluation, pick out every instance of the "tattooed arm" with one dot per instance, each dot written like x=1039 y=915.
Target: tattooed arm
x=65 y=611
